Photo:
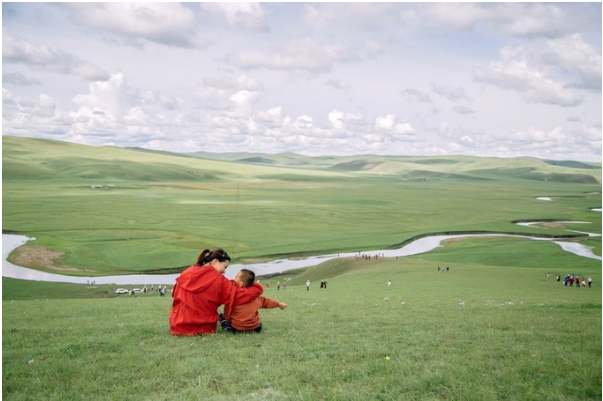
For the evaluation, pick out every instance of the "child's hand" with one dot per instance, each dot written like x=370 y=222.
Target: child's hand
x=282 y=305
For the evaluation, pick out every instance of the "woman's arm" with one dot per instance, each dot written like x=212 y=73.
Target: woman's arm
x=233 y=294
x=247 y=294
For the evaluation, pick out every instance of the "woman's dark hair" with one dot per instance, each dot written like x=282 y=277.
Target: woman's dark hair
x=207 y=255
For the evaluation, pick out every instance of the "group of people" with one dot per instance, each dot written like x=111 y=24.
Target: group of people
x=202 y=288
x=161 y=289
x=366 y=256
x=572 y=279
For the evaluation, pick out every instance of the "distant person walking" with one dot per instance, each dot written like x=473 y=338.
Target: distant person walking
x=201 y=289
x=590 y=281
x=308 y=285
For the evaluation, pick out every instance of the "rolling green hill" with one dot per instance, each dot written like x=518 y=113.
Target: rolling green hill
x=426 y=167
x=28 y=158
x=47 y=159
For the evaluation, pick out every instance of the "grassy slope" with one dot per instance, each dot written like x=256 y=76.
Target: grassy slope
x=492 y=328
x=163 y=208
x=488 y=329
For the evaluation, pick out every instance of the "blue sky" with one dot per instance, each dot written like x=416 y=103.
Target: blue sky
x=484 y=79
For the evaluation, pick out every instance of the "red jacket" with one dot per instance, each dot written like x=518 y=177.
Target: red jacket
x=198 y=293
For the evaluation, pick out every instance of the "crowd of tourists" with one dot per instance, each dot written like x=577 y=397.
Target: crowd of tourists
x=572 y=280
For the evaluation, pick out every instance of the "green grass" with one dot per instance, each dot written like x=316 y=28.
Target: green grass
x=161 y=209
x=480 y=331
x=19 y=290
x=491 y=328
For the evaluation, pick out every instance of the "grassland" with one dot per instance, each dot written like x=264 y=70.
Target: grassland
x=155 y=211
x=491 y=328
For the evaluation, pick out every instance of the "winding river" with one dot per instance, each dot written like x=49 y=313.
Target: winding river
x=422 y=245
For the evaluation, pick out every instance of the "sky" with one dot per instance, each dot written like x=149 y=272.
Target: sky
x=397 y=78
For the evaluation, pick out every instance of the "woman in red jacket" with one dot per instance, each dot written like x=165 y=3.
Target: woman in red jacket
x=201 y=289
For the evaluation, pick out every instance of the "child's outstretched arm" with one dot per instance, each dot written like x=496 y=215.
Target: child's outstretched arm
x=269 y=303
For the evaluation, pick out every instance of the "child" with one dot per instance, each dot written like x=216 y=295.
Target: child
x=245 y=317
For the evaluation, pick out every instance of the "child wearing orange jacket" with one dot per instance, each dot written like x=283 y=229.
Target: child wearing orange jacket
x=238 y=318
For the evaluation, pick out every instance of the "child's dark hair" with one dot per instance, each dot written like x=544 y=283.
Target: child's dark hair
x=247 y=277
x=207 y=255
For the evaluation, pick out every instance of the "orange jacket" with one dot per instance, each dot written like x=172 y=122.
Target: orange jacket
x=198 y=293
x=246 y=316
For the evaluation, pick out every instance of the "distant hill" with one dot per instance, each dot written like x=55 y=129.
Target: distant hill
x=42 y=159
x=573 y=164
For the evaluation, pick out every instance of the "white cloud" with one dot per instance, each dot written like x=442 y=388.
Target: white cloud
x=239 y=15
x=581 y=61
x=514 y=19
x=113 y=96
x=361 y=15
x=16 y=78
x=555 y=143
x=243 y=101
x=451 y=93
x=22 y=117
x=534 y=84
x=336 y=83
x=417 y=95
x=241 y=82
x=165 y=23
x=404 y=129
x=271 y=118
x=592 y=133
x=464 y=110
x=296 y=55
x=228 y=93
x=335 y=118
x=46 y=58
x=388 y=124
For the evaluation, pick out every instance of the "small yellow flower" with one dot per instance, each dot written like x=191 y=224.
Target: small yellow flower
x=387 y=358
